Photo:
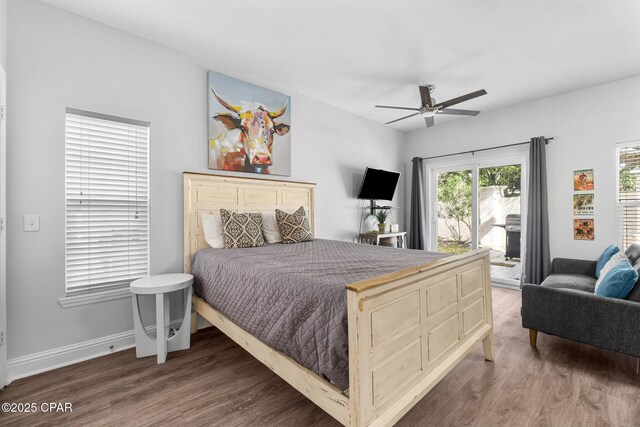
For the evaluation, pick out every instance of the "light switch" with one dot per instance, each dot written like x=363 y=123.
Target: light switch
x=32 y=223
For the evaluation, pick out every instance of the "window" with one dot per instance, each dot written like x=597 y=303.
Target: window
x=628 y=159
x=107 y=201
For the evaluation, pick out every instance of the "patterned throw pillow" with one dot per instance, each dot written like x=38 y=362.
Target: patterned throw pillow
x=241 y=230
x=294 y=227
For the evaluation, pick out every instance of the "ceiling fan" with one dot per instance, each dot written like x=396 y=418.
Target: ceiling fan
x=429 y=108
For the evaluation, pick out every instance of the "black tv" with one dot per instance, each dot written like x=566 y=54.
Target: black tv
x=378 y=184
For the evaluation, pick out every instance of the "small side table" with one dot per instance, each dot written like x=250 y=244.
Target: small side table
x=161 y=286
x=380 y=238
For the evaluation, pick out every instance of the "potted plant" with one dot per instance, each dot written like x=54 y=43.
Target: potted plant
x=381 y=215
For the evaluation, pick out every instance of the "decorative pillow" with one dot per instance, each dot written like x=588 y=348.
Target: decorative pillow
x=241 y=230
x=212 y=227
x=619 y=281
x=634 y=294
x=294 y=227
x=615 y=260
x=606 y=256
x=270 y=228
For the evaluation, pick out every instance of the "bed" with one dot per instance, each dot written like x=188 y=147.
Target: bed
x=390 y=329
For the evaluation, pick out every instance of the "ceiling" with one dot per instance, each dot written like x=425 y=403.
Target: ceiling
x=355 y=54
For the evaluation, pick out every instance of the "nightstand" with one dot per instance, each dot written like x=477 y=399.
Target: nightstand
x=161 y=286
x=395 y=240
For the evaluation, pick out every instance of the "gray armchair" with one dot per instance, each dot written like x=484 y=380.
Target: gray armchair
x=565 y=305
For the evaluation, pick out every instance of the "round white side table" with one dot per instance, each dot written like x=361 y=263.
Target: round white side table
x=161 y=286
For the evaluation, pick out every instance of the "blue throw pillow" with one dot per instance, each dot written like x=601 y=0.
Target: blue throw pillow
x=619 y=281
x=610 y=251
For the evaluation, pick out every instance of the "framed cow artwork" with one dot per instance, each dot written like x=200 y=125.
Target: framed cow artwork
x=249 y=127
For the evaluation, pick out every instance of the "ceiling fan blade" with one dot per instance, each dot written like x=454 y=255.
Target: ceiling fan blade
x=425 y=96
x=462 y=98
x=398 y=108
x=402 y=118
x=429 y=121
x=458 y=112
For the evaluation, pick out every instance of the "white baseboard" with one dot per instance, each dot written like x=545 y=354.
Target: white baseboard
x=36 y=363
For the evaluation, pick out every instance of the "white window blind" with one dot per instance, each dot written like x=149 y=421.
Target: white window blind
x=107 y=201
x=628 y=209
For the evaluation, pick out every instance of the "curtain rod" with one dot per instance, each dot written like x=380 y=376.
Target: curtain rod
x=473 y=152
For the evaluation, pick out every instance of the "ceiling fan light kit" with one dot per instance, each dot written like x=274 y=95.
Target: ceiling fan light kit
x=429 y=108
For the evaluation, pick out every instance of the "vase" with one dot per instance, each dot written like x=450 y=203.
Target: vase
x=382 y=227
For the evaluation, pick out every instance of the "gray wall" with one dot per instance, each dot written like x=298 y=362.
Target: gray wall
x=57 y=59
x=586 y=123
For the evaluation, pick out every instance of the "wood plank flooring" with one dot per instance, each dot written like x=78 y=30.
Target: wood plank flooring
x=216 y=383
x=509 y=273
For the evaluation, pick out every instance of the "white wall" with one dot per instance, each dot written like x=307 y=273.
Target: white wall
x=3 y=34
x=57 y=59
x=586 y=125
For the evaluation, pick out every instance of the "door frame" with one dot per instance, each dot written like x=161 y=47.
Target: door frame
x=3 y=230
x=474 y=163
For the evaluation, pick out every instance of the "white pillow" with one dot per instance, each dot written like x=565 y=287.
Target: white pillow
x=615 y=260
x=270 y=228
x=213 y=234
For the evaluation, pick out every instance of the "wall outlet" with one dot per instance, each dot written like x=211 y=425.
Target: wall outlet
x=32 y=223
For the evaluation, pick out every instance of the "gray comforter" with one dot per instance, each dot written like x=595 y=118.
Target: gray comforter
x=293 y=298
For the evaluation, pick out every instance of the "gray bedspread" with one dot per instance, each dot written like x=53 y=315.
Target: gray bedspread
x=293 y=298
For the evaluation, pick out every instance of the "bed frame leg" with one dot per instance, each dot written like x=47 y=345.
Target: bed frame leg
x=533 y=337
x=194 y=320
x=487 y=345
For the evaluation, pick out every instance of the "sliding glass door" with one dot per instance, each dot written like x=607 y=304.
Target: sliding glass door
x=499 y=219
x=480 y=205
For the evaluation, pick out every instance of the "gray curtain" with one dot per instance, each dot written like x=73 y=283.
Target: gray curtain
x=418 y=219
x=537 y=262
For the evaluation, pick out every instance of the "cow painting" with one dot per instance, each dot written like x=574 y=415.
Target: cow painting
x=248 y=136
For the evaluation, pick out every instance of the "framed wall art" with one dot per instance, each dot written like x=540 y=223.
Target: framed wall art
x=583 y=229
x=583 y=180
x=583 y=204
x=249 y=127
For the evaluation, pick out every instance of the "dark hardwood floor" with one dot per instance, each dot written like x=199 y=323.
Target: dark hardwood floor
x=217 y=383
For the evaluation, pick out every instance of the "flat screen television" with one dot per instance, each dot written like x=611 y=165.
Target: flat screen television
x=378 y=184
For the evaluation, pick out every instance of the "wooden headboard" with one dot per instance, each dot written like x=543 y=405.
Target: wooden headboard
x=207 y=194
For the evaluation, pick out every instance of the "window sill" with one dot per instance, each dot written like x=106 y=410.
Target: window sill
x=92 y=298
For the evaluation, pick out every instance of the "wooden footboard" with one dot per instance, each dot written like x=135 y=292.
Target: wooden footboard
x=408 y=329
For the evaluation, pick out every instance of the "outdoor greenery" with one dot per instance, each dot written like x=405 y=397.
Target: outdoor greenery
x=455 y=248
x=504 y=176
x=627 y=180
x=454 y=201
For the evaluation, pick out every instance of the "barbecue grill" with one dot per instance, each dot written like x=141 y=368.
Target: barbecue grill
x=512 y=227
